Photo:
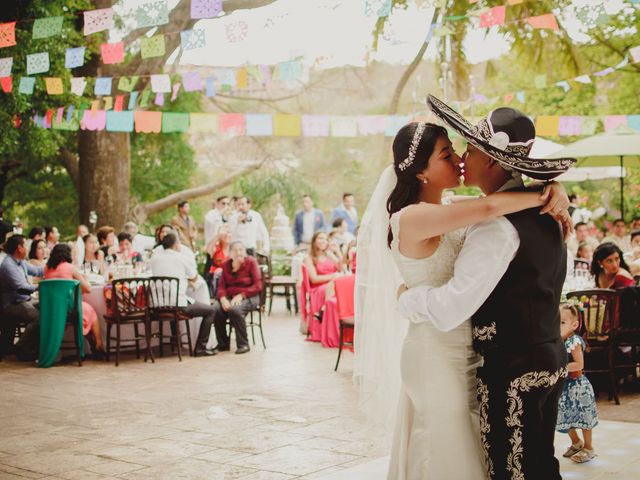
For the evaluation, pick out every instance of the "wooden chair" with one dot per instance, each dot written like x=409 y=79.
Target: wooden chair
x=345 y=289
x=601 y=317
x=260 y=310
x=60 y=307
x=627 y=338
x=129 y=307
x=162 y=299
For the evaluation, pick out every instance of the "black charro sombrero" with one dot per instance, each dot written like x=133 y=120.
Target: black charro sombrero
x=506 y=135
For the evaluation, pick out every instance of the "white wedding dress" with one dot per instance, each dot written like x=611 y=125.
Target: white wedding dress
x=436 y=434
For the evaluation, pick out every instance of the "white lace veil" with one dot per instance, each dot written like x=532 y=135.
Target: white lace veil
x=379 y=331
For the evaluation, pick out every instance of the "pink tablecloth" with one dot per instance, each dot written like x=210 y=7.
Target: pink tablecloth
x=326 y=332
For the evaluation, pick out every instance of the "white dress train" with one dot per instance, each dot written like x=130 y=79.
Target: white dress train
x=436 y=435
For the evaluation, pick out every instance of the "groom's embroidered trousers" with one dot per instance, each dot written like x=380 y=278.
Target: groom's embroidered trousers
x=517 y=421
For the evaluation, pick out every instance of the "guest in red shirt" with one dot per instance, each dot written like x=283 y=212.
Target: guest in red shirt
x=609 y=268
x=239 y=293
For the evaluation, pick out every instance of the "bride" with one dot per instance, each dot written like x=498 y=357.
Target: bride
x=408 y=236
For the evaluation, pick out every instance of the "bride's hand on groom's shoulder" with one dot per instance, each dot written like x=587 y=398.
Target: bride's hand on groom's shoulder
x=401 y=289
x=555 y=197
x=557 y=205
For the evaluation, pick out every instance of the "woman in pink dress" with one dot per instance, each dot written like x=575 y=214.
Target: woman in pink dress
x=60 y=266
x=323 y=266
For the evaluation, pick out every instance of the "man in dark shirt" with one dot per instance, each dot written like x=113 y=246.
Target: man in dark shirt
x=239 y=293
x=17 y=304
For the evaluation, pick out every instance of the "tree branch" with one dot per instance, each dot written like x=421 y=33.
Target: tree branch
x=143 y=211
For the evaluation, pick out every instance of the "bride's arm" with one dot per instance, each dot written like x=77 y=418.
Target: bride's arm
x=426 y=220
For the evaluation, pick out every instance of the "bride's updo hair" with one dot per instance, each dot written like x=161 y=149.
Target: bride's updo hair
x=407 y=189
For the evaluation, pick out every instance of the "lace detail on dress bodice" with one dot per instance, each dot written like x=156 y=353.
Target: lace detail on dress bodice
x=435 y=270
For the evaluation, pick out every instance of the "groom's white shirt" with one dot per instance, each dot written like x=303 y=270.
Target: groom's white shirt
x=488 y=249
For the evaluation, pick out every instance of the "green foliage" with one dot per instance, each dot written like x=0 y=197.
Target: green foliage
x=30 y=174
x=268 y=188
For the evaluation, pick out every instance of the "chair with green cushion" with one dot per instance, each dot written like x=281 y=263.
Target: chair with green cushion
x=60 y=305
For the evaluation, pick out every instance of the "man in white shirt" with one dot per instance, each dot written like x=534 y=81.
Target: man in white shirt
x=140 y=243
x=581 y=234
x=247 y=226
x=171 y=263
x=619 y=236
x=215 y=217
x=508 y=278
x=81 y=232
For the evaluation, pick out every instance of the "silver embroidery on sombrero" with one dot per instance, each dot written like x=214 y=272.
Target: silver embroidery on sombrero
x=515 y=409
x=516 y=157
x=485 y=426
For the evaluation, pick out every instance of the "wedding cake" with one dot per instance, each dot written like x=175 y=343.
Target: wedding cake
x=281 y=235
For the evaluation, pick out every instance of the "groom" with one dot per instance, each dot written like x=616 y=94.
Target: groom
x=508 y=278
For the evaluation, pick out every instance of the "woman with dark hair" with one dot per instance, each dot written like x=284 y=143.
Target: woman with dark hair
x=38 y=253
x=60 y=266
x=93 y=256
x=422 y=238
x=609 y=268
x=323 y=266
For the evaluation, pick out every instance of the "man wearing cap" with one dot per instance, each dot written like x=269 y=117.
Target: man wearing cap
x=508 y=278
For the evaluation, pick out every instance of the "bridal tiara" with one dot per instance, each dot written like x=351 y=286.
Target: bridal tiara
x=417 y=136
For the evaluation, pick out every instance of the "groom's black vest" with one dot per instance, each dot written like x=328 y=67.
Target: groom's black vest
x=522 y=312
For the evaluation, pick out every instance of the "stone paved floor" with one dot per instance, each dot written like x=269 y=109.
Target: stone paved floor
x=274 y=414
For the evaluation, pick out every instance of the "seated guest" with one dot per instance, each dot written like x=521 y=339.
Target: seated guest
x=140 y=242
x=618 y=235
x=126 y=251
x=60 y=266
x=609 y=268
x=350 y=257
x=36 y=233
x=107 y=238
x=341 y=236
x=17 y=304
x=584 y=256
x=93 y=257
x=323 y=266
x=81 y=232
x=632 y=257
x=163 y=230
x=239 y=293
x=169 y=262
x=38 y=253
x=52 y=236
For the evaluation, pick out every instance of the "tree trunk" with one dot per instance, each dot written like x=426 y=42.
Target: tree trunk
x=105 y=175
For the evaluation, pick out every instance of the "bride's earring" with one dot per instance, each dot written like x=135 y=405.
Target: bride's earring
x=425 y=180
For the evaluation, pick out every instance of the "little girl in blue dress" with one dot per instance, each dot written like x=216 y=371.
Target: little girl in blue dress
x=577 y=408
